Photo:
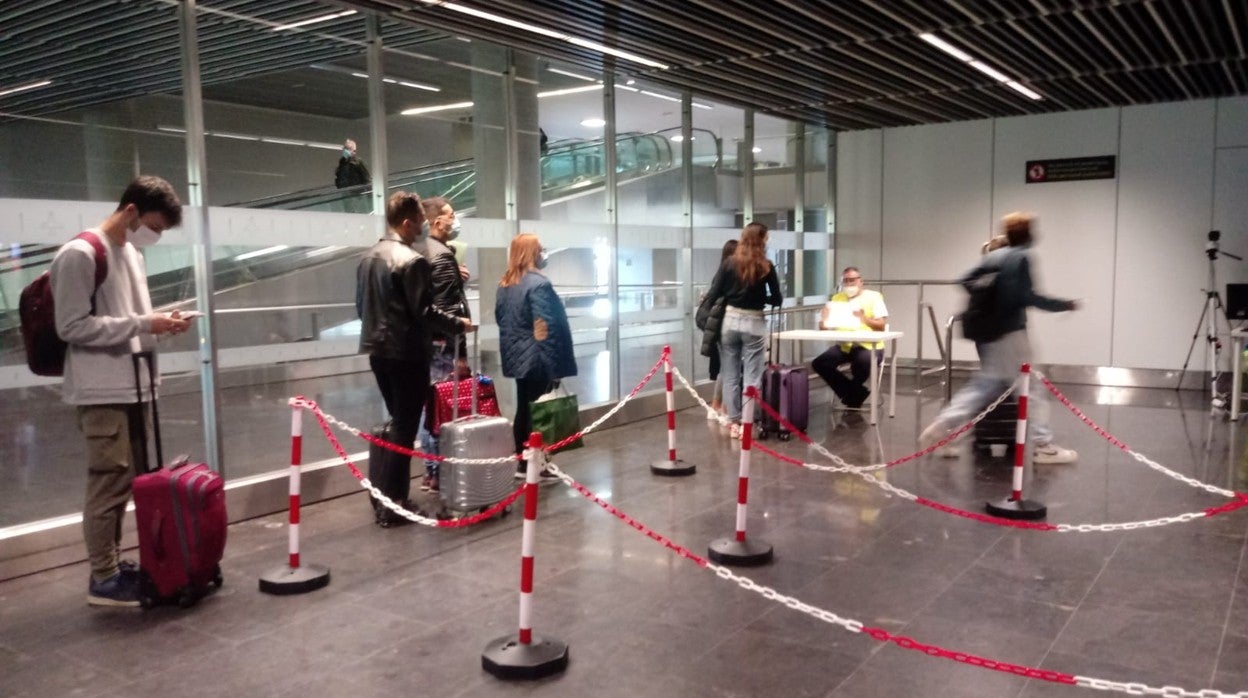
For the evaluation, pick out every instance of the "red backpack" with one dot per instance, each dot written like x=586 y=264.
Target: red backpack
x=45 y=350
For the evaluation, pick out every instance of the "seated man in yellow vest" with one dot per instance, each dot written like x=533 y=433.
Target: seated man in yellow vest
x=869 y=313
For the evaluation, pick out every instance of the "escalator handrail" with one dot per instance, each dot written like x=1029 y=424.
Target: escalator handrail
x=555 y=150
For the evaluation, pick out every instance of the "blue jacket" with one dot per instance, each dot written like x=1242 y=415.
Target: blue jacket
x=515 y=309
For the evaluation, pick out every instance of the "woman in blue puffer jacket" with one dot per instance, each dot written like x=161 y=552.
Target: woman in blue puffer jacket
x=534 y=339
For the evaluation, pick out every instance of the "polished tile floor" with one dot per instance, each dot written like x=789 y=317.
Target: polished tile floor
x=409 y=610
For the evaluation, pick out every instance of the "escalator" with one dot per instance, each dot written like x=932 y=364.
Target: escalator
x=569 y=168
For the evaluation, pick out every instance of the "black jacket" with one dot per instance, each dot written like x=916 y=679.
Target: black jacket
x=448 y=285
x=1015 y=292
x=351 y=172
x=394 y=299
x=738 y=294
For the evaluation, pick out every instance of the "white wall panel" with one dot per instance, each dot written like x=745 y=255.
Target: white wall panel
x=1230 y=188
x=859 y=166
x=1073 y=257
x=1232 y=122
x=936 y=214
x=1230 y=212
x=1165 y=172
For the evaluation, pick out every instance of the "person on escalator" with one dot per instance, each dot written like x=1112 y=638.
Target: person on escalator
x=351 y=169
x=352 y=172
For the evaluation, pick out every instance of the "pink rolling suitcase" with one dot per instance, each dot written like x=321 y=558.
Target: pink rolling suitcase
x=179 y=511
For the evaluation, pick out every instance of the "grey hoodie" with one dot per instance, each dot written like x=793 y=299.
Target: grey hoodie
x=98 y=366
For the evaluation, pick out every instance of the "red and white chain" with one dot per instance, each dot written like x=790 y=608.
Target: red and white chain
x=1139 y=689
x=323 y=420
x=892 y=489
x=841 y=463
x=879 y=634
x=620 y=405
x=1126 y=449
x=334 y=421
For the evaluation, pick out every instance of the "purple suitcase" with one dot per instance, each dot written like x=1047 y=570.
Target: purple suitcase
x=787 y=390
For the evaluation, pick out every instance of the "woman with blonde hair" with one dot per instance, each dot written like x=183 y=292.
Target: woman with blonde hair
x=534 y=339
x=747 y=281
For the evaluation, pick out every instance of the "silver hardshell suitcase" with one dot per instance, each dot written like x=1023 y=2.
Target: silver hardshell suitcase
x=474 y=485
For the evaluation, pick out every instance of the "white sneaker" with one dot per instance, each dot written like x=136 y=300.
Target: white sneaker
x=1052 y=454
x=712 y=416
x=932 y=434
x=953 y=449
x=735 y=431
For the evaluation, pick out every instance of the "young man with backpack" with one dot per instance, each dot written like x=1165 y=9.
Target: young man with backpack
x=104 y=324
x=1001 y=290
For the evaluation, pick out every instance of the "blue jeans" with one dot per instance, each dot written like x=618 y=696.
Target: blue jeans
x=441 y=364
x=999 y=368
x=741 y=343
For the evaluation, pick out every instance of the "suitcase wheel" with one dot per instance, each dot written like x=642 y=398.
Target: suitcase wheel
x=187 y=598
x=217 y=579
x=147 y=594
x=785 y=436
x=761 y=434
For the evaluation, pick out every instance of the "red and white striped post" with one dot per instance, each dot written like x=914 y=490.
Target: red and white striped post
x=673 y=466
x=524 y=656
x=1015 y=507
x=295 y=577
x=739 y=550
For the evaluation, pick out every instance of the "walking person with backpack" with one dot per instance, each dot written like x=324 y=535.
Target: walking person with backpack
x=105 y=322
x=1001 y=290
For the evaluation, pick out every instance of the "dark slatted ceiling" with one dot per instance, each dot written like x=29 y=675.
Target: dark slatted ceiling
x=848 y=65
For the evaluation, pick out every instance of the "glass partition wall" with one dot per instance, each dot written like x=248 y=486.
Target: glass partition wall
x=597 y=164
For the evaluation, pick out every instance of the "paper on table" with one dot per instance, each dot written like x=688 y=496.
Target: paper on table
x=841 y=317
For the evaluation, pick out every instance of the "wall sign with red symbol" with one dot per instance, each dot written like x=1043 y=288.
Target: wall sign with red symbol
x=1070 y=169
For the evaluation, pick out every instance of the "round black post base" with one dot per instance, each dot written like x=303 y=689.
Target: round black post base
x=1023 y=510
x=294 y=580
x=750 y=552
x=507 y=658
x=672 y=468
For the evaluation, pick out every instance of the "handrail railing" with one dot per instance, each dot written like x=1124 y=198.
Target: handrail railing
x=922 y=284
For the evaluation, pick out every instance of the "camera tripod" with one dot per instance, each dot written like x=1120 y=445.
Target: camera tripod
x=1213 y=309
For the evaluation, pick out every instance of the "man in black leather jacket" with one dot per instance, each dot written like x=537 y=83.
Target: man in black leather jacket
x=448 y=277
x=394 y=299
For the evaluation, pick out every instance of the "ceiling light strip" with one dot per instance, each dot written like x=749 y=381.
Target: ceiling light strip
x=543 y=31
x=23 y=88
x=982 y=67
x=313 y=20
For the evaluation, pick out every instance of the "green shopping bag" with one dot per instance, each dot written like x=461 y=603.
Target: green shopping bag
x=557 y=416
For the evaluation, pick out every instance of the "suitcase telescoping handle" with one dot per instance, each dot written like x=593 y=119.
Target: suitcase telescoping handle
x=472 y=374
x=148 y=358
x=773 y=345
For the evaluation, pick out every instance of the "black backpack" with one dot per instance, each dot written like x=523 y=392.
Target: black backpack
x=981 y=321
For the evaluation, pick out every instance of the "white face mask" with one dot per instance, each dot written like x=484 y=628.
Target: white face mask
x=143 y=236
x=851 y=291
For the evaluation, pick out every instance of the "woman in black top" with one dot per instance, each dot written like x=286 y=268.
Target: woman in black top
x=747 y=281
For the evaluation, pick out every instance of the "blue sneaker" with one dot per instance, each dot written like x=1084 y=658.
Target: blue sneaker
x=118 y=590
